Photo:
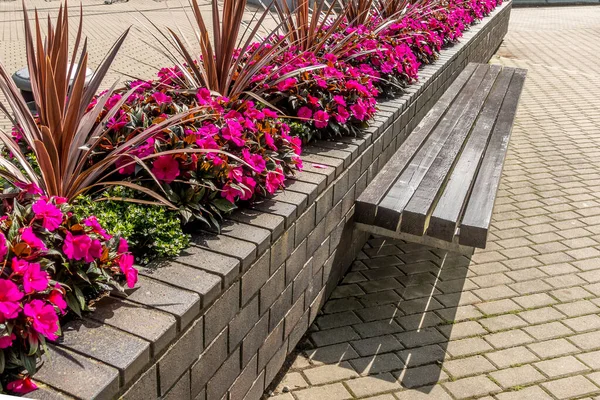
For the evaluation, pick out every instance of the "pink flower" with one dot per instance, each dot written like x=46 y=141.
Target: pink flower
x=50 y=215
x=256 y=161
x=296 y=144
x=113 y=100
x=286 y=84
x=33 y=241
x=269 y=113
x=274 y=180
x=56 y=298
x=321 y=119
x=342 y=115
x=82 y=247
x=22 y=386
x=3 y=247
x=123 y=246
x=250 y=185
x=9 y=300
x=6 y=341
x=233 y=131
x=34 y=279
x=203 y=96
x=160 y=98
x=165 y=168
x=305 y=112
x=359 y=111
x=236 y=174
x=339 y=100
x=270 y=142
x=92 y=222
x=126 y=264
x=45 y=320
x=30 y=188
x=230 y=193
x=19 y=266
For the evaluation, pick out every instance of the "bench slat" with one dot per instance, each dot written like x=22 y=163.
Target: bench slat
x=416 y=212
x=478 y=213
x=366 y=204
x=444 y=218
x=389 y=210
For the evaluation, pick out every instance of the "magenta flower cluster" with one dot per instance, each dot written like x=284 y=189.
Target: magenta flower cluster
x=48 y=260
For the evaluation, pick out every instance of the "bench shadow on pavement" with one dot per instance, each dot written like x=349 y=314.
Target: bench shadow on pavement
x=391 y=316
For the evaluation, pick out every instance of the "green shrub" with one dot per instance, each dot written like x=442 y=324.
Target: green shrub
x=151 y=231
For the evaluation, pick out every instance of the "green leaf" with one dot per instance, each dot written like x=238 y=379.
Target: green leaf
x=29 y=363
x=224 y=205
x=73 y=304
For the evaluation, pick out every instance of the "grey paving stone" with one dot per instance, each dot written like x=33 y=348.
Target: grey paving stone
x=224 y=377
x=274 y=223
x=376 y=364
x=207 y=285
x=228 y=268
x=146 y=387
x=255 y=278
x=123 y=351
x=157 y=327
x=185 y=305
x=181 y=390
x=244 y=251
x=204 y=367
x=68 y=370
x=180 y=356
x=221 y=312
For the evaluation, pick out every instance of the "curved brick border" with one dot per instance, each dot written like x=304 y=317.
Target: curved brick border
x=218 y=322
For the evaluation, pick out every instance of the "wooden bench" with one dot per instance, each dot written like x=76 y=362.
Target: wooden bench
x=439 y=187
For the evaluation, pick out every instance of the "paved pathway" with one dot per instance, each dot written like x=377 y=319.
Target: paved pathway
x=521 y=319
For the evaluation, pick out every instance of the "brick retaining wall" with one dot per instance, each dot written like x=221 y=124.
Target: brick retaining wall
x=218 y=321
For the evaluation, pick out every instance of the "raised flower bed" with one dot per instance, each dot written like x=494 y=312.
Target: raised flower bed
x=221 y=317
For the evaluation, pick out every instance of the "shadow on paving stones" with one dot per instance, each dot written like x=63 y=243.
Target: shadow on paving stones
x=390 y=318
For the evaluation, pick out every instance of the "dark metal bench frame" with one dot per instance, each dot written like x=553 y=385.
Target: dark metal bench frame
x=440 y=186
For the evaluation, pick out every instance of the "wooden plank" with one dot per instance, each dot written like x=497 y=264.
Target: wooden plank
x=389 y=212
x=366 y=204
x=478 y=214
x=446 y=213
x=416 y=213
x=424 y=240
x=390 y=208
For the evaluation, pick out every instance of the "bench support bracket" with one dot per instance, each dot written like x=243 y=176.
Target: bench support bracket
x=424 y=240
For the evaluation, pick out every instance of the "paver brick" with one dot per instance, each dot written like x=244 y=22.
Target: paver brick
x=558 y=367
x=518 y=376
x=471 y=387
x=335 y=391
x=571 y=387
x=552 y=348
x=474 y=365
x=512 y=356
x=372 y=385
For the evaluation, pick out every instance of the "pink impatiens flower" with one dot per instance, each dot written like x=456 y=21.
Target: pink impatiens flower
x=161 y=98
x=19 y=266
x=233 y=131
x=359 y=111
x=165 y=168
x=32 y=240
x=50 y=215
x=9 y=300
x=126 y=264
x=274 y=180
x=96 y=227
x=3 y=246
x=43 y=315
x=82 y=247
x=6 y=341
x=56 y=298
x=123 y=246
x=321 y=119
x=305 y=112
x=34 y=279
x=256 y=161
x=22 y=386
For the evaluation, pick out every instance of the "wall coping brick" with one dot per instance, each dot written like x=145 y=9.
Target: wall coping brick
x=276 y=262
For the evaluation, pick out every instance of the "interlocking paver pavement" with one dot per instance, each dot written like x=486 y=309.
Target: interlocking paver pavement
x=520 y=320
